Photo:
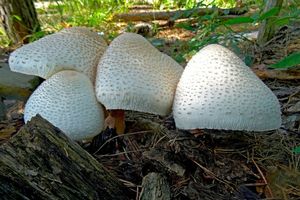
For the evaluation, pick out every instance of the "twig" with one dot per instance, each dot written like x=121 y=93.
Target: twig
x=137 y=193
x=264 y=178
x=123 y=135
x=127 y=183
x=160 y=139
x=215 y=176
x=121 y=153
x=254 y=184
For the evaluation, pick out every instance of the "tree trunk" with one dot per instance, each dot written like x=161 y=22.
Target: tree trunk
x=18 y=19
x=175 y=14
x=40 y=162
x=267 y=28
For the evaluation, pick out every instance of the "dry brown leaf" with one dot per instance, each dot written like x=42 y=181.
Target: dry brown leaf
x=262 y=72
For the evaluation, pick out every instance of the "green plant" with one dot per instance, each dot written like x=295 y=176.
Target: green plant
x=207 y=29
x=221 y=3
x=4 y=40
x=92 y=13
x=187 y=4
x=212 y=28
x=296 y=150
x=289 y=61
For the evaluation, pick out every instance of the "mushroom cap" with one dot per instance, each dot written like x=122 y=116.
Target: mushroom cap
x=84 y=31
x=73 y=48
x=134 y=75
x=218 y=91
x=67 y=100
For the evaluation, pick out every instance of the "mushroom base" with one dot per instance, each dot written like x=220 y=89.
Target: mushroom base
x=116 y=119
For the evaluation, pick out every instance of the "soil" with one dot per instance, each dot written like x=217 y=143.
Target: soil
x=204 y=164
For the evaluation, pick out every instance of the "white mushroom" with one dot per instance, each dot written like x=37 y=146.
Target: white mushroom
x=218 y=91
x=73 y=48
x=82 y=30
x=134 y=75
x=67 y=99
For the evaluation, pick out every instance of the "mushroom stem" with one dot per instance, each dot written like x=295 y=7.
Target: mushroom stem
x=116 y=119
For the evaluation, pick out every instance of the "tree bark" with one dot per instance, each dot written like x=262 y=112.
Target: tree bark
x=40 y=162
x=267 y=28
x=18 y=19
x=176 y=14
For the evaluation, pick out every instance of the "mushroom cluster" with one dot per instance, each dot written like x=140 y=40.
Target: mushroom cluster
x=68 y=61
x=216 y=90
x=131 y=75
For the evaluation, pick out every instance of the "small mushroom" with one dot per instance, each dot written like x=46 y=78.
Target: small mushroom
x=218 y=91
x=73 y=48
x=134 y=75
x=67 y=99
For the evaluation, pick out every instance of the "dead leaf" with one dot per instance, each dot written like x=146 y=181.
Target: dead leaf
x=262 y=72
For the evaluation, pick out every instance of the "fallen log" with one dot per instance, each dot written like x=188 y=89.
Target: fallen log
x=175 y=14
x=40 y=162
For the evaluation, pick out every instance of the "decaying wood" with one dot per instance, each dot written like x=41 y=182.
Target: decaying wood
x=268 y=28
x=40 y=162
x=175 y=14
x=164 y=159
x=155 y=186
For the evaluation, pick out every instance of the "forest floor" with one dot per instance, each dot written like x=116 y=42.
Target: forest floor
x=206 y=164
x=214 y=164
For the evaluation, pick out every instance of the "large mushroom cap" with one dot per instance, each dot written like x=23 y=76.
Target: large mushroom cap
x=218 y=91
x=67 y=99
x=73 y=48
x=134 y=75
x=84 y=31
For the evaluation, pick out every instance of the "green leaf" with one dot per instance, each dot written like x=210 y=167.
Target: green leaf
x=282 y=21
x=296 y=150
x=186 y=26
x=270 y=13
x=289 y=61
x=17 y=17
x=255 y=16
x=239 y=20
